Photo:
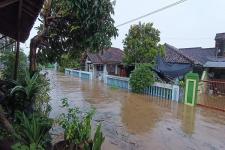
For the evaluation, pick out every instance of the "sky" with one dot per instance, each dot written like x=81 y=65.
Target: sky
x=193 y=23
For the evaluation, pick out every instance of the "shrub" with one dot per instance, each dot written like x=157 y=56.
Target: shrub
x=77 y=126
x=141 y=78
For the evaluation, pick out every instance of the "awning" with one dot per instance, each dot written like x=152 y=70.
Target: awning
x=213 y=64
x=18 y=12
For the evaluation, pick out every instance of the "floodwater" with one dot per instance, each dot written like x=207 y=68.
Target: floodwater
x=137 y=122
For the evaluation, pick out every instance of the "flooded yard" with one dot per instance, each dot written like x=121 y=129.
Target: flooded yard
x=137 y=122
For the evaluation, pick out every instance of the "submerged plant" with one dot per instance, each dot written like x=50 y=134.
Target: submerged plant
x=77 y=126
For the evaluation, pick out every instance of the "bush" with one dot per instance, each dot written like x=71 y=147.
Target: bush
x=77 y=126
x=141 y=78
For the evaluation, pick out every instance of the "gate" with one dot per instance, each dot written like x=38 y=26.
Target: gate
x=212 y=94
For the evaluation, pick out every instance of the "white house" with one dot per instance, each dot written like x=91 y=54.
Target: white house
x=106 y=62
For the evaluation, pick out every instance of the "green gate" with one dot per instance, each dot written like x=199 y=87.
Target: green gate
x=191 y=88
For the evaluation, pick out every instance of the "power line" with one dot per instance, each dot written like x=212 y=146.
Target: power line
x=153 y=12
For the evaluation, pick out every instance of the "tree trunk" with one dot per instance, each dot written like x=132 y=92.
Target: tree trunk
x=33 y=48
x=34 y=43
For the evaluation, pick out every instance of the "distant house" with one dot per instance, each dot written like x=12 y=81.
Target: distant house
x=106 y=62
x=200 y=59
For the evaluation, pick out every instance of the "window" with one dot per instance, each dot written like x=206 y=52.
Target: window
x=99 y=67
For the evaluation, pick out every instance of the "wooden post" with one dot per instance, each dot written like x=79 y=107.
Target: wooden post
x=18 y=39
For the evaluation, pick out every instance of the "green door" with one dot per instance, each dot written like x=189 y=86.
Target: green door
x=190 y=92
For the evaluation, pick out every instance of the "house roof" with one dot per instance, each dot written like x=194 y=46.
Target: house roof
x=195 y=55
x=10 y=18
x=110 y=55
x=94 y=58
x=174 y=55
x=199 y=55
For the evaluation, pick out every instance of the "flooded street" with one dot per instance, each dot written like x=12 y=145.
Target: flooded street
x=131 y=121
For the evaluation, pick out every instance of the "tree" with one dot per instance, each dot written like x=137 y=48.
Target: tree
x=141 y=78
x=141 y=44
x=73 y=26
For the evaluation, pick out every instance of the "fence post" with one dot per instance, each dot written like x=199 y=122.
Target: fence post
x=191 y=89
x=175 y=93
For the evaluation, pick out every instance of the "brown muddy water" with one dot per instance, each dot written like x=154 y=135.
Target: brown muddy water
x=138 y=122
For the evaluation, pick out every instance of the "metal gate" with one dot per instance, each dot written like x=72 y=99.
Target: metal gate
x=212 y=94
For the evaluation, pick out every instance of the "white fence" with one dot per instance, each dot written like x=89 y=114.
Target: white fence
x=79 y=74
x=166 y=91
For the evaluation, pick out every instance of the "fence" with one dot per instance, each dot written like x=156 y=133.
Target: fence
x=162 y=90
x=212 y=94
x=120 y=82
x=79 y=74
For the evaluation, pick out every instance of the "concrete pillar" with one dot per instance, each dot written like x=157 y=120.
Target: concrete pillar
x=116 y=69
x=105 y=72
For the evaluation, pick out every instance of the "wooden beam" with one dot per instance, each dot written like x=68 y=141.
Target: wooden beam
x=7 y=2
x=18 y=38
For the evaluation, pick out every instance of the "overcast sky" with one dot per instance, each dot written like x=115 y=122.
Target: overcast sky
x=193 y=23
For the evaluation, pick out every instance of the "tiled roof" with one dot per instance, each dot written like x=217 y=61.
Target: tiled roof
x=195 y=55
x=199 y=55
x=94 y=58
x=173 y=55
x=110 y=55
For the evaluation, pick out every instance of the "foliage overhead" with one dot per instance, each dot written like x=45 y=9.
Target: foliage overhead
x=141 y=44
x=141 y=78
x=75 y=26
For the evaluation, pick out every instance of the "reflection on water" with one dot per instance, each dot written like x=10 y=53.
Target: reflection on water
x=138 y=115
x=188 y=120
x=132 y=121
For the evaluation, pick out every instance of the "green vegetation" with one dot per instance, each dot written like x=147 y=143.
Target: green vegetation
x=8 y=60
x=141 y=47
x=77 y=126
x=33 y=92
x=32 y=131
x=75 y=27
x=141 y=44
x=141 y=78
x=67 y=61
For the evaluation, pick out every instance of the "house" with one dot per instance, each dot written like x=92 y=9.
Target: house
x=211 y=60
x=106 y=62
